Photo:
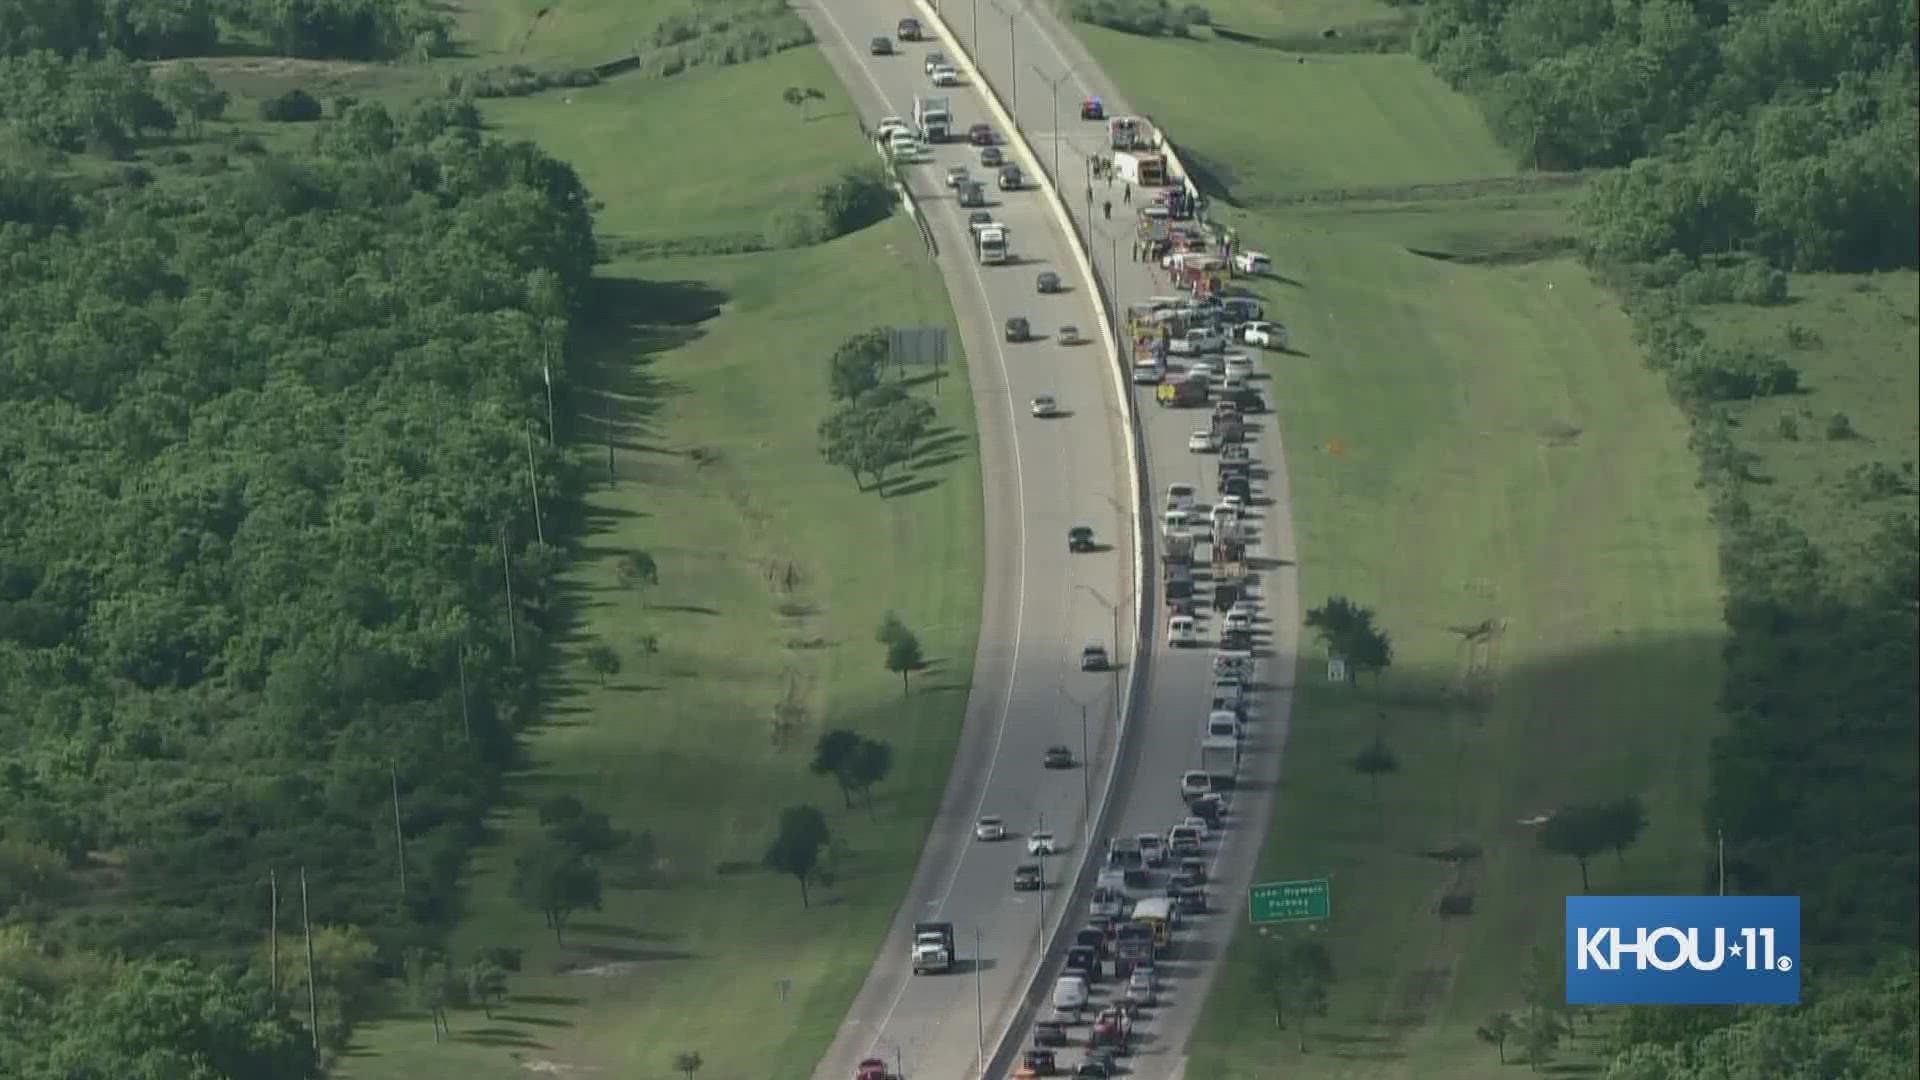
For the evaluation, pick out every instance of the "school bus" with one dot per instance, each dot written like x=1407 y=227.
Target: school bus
x=1156 y=913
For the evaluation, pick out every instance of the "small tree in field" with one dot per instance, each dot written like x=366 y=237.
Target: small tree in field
x=687 y=1062
x=638 y=570
x=1373 y=762
x=1579 y=832
x=603 y=661
x=1495 y=1033
x=904 y=658
x=795 y=850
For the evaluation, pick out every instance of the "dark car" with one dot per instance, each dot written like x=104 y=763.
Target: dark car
x=1094 y=658
x=1027 y=877
x=1195 y=867
x=1248 y=399
x=1236 y=640
x=1018 y=329
x=1237 y=485
x=1138 y=877
x=1010 y=178
x=1191 y=901
x=1041 y=1062
x=1093 y=1070
x=881 y=47
x=908 y=30
x=1047 y=282
x=990 y=157
x=980 y=134
x=1049 y=1033
x=1091 y=937
x=1084 y=962
x=1212 y=806
x=1058 y=757
x=979 y=217
x=1080 y=538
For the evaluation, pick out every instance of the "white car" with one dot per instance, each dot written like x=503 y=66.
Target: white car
x=1040 y=842
x=1222 y=724
x=1197 y=824
x=990 y=828
x=1253 y=262
x=1044 y=406
x=1238 y=619
x=1201 y=442
x=1140 y=988
x=1202 y=372
x=1179 y=496
x=1181 y=632
x=946 y=75
x=1236 y=452
x=1070 y=993
x=1233 y=384
x=1148 y=373
x=1224 y=516
x=1239 y=366
x=890 y=124
x=1269 y=335
x=1232 y=502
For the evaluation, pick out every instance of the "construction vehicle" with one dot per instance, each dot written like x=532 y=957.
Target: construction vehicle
x=932 y=947
x=934 y=117
x=990 y=244
x=1182 y=393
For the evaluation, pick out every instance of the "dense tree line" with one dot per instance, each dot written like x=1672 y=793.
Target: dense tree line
x=267 y=442
x=1785 y=128
x=158 y=29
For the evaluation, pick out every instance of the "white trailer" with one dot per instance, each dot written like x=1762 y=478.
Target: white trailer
x=1220 y=758
x=990 y=244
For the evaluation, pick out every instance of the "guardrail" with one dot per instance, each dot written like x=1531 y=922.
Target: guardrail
x=907 y=200
x=1006 y=1044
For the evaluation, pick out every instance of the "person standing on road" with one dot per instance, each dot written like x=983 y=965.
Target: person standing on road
x=1126 y=194
x=1107 y=209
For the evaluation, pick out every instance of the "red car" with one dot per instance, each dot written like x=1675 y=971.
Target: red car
x=980 y=135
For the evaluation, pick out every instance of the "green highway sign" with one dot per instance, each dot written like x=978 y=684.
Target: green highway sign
x=1290 y=901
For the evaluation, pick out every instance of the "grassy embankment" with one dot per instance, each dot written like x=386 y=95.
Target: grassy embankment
x=773 y=572
x=1472 y=440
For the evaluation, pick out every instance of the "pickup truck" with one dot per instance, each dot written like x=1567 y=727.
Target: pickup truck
x=1197 y=340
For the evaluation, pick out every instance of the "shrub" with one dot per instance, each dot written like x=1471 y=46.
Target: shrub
x=719 y=35
x=1710 y=374
x=296 y=106
x=1839 y=427
x=1875 y=480
x=1788 y=427
x=249 y=144
x=516 y=81
x=1148 y=18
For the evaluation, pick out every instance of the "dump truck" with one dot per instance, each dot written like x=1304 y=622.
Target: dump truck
x=932 y=947
x=934 y=117
x=990 y=244
x=1181 y=393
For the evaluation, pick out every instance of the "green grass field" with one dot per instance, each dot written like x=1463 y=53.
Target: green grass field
x=774 y=572
x=1854 y=339
x=1471 y=440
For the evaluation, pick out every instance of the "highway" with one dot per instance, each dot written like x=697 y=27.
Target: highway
x=1042 y=73
x=1042 y=476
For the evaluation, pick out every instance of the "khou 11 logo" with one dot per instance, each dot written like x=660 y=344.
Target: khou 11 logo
x=1683 y=950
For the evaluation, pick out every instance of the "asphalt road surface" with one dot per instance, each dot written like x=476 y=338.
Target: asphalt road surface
x=1024 y=54
x=1042 y=476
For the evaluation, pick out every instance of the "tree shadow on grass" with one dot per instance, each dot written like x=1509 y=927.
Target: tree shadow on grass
x=629 y=321
x=499 y=1036
x=553 y=1000
x=536 y=1021
x=898 y=490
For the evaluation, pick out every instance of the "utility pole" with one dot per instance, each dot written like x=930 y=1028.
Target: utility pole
x=313 y=1000
x=533 y=485
x=466 y=716
x=979 y=1011
x=273 y=934
x=546 y=373
x=506 y=565
x=1055 y=84
x=1043 y=893
x=1086 y=786
x=399 y=838
x=609 y=425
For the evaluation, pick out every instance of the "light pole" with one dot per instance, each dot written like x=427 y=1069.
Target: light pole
x=1086 y=776
x=1013 y=58
x=979 y=1010
x=1113 y=609
x=1054 y=83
